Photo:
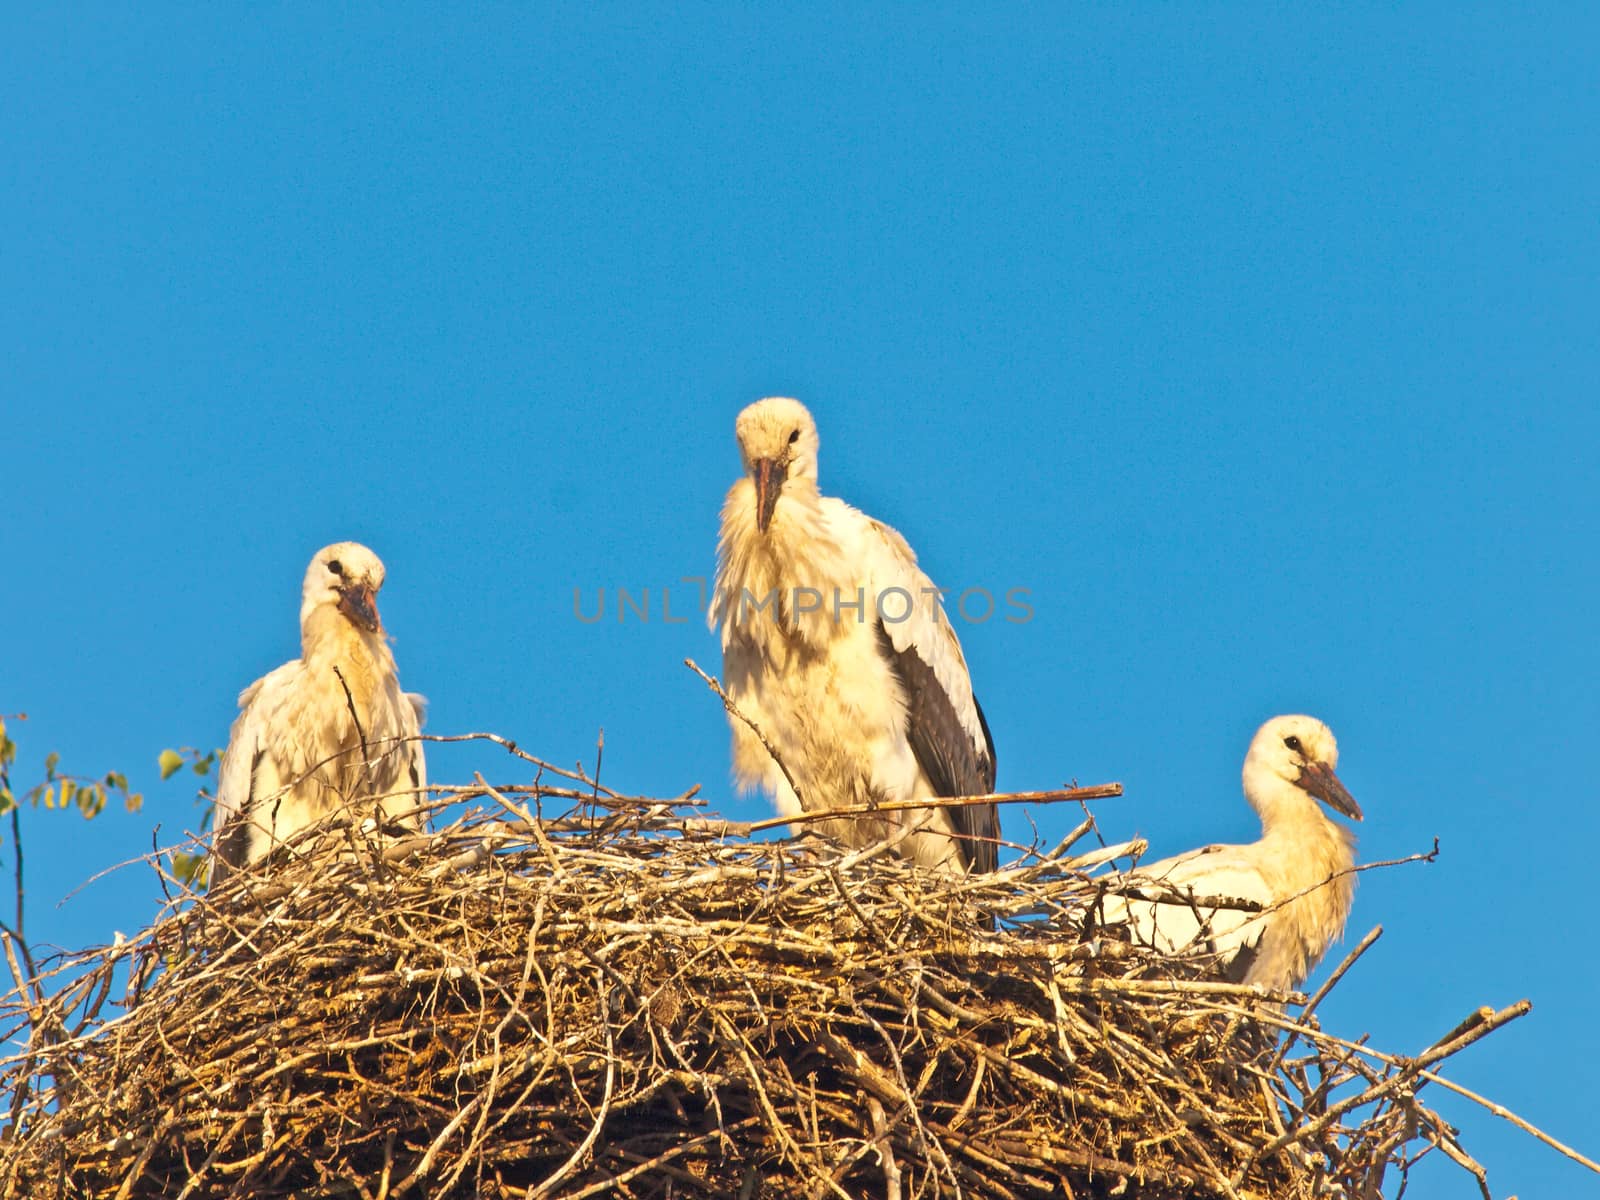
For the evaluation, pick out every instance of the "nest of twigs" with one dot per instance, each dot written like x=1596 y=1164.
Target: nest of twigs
x=631 y=1001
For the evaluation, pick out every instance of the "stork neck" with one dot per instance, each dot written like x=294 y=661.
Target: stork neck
x=326 y=632
x=1284 y=809
x=794 y=537
x=799 y=491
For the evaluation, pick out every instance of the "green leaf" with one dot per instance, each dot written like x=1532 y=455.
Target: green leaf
x=50 y=761
x=170 y=761
x=189 y=869
x=7 y=801
x=91 y=799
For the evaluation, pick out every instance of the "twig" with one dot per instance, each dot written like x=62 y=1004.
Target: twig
x=511 y=747
x=1098 y=792
x=1391 y=1085
x=733 y=708
x=16 y=843
x=16 y=931
x=361 y=733
x=1505 y=1114
x=1321 y=993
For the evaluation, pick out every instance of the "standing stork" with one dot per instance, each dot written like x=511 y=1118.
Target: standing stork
x=837 y=647
x=1300 y=872
x=324 y=731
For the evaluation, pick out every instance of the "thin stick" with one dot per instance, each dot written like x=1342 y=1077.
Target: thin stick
x=1505 y=1114
x=733 y=708
x=16 y=843
x=511 y=747
x=1389 y=1086
x=361 y=733
x=1099 y=791
x=1321 y=993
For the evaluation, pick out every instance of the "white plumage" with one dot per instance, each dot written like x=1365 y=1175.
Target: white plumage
x=327 y=730
x=1300 y=872
x=837 y=646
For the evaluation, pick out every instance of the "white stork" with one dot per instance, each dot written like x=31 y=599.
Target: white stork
x=326 y=730
x=1300 y=872
x=836 y=645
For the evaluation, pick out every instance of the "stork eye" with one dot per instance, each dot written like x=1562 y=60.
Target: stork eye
x=336 y=566
x=794 y=437
x=1293 y=743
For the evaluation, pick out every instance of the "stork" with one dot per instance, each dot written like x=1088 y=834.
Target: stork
x=837 y=647
x=328 y=730
x=1300 y=873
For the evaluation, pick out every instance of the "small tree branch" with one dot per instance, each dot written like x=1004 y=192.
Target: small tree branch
x=754 y=728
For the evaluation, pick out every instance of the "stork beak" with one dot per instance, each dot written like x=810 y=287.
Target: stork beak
x=1321 y=782
x=769 y=481
x=360 y=605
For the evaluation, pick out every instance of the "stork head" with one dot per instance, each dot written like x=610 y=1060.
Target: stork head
x=1298 y=751
x=778 y=443
x=347 y=576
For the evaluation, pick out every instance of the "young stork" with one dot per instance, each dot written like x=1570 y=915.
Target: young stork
x=1299 y=872
x=836 y=645
x=328 y=729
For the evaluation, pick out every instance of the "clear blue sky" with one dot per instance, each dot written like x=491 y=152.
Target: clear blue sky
x=1262 y=351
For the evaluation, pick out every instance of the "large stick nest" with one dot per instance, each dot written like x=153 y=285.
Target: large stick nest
x=629 y=1001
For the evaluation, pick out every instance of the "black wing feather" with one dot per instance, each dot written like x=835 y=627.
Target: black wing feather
x=946 y=753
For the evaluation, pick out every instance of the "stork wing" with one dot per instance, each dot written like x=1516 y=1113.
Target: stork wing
x=248 y=769
x=945 y=726
x=412 y=718
x=418 y=703
x=1212 y=873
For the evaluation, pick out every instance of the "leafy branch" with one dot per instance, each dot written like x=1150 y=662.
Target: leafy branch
x=59 y=789
x=190 y=869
